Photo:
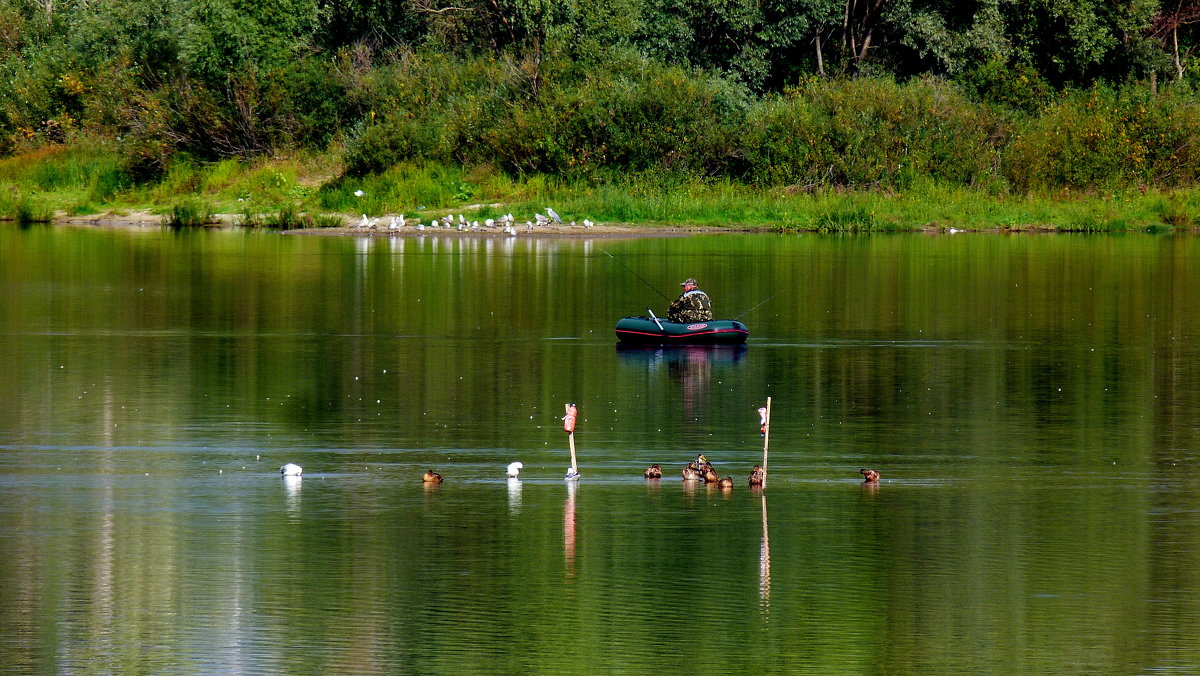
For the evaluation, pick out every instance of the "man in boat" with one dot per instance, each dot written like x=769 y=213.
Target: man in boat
x=692 y=305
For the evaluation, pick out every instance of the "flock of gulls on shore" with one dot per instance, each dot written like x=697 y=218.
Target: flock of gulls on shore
x=699 y=469
x=507 y=224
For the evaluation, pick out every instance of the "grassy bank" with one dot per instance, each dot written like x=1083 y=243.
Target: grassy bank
x=311 y=190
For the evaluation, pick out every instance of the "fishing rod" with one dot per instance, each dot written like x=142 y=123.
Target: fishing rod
x=761 y=302
x=636 y=274
x=670 y=300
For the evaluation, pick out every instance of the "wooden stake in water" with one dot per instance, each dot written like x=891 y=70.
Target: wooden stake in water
x=766 y=439
x=569 y=426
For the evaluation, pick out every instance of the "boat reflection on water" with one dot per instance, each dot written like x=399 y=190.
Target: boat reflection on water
x=656 y=355
x=689 y=365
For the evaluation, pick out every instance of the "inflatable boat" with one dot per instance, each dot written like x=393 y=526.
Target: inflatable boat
x=652 y=330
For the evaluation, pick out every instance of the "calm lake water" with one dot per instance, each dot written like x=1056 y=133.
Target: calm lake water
x=1032 y=403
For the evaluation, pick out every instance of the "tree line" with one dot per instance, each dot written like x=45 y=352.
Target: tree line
x=747 y=88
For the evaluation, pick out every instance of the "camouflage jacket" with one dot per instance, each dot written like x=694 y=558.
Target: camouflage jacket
x=692 y=306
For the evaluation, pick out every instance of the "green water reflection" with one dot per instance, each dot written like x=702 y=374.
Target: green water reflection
x=1033 y=403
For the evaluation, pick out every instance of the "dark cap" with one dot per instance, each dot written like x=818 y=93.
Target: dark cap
x=689 y=280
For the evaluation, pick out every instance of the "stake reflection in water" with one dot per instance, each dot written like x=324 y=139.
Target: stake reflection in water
x=569 y=529
x=514 y=496
x=764 y=561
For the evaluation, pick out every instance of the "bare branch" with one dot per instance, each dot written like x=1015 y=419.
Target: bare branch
x=427 y=7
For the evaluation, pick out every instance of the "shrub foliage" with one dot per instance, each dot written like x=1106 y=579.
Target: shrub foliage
x=1096 y=96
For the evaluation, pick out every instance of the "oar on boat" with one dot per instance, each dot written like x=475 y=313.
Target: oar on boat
x=658 y=323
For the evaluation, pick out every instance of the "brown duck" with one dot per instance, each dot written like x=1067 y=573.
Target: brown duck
x=870 y=476
x=756 y=476
x=432 y=477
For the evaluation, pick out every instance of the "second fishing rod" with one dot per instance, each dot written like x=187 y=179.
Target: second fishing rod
x=669 y=299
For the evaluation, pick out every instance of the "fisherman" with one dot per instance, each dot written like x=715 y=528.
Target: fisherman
x=692 y=305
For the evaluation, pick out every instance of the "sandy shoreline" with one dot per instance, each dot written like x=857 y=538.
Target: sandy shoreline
x=145 y=219
x=556 y=231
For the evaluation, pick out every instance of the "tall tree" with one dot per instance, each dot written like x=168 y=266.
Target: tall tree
x=766 y=44
x=948 y=37
x=861 y=20
x=1171 y=18
x=1078 y=41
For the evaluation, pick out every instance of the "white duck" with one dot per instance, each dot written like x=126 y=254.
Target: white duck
x=291 y=469
x=514 y=469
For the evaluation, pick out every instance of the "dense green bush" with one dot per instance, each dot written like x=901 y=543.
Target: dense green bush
x=314 y=101
x=1018 y=86
x=484 y=111
x=869 y=132
x=1106 y=138
x=376 y=146
x=43 y=100
x=650 y=117
x=428 y=107
x=252 y=114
